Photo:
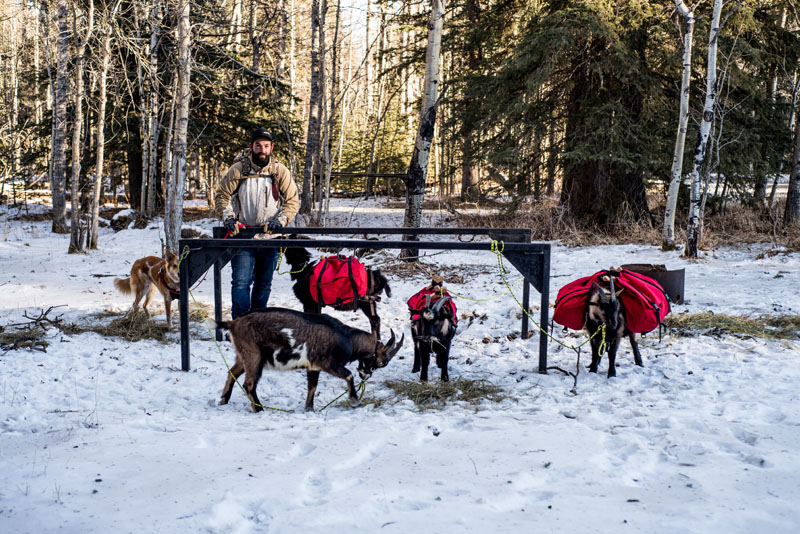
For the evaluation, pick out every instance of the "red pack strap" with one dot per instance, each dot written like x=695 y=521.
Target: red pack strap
x=339 y=280
x=645 y=301
x=425 y=298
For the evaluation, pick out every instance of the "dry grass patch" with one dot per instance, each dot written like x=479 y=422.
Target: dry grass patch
x=708 y=323
x=428 y=395
x=130 y=327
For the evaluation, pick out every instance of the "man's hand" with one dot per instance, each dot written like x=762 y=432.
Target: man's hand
x=273 y=227
x=231 y=225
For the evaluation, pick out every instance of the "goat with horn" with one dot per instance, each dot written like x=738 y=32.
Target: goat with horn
x=604 y=310
x=433 y=325
x=283 y=339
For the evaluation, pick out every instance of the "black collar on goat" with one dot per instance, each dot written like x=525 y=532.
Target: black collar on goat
x=283 y=339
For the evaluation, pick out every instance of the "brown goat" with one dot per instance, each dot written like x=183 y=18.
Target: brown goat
x=283 y=339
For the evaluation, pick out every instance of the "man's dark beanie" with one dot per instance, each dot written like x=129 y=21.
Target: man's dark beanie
x=260 y=133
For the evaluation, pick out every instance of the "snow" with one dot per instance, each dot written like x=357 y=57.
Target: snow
x=99 y=434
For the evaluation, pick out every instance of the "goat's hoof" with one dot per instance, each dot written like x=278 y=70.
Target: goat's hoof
x=223 y=402
x=355 y=403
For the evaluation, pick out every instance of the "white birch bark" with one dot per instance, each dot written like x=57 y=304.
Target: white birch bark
x=75 y=244
x=683 y=121
x=105 y=59
x=154 y=126
x=417 y=170
x=60 y=95
x=694 y=226
x=312 y=164
x=173 y=217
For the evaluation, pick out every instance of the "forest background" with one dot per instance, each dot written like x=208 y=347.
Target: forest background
x=591 y=117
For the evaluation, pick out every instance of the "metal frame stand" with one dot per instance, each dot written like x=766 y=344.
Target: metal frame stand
x=532 y=260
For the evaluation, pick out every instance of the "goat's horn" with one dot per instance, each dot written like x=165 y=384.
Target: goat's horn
x=613 y=297
x=427 y=301
x=437 y=307
x=394 y=349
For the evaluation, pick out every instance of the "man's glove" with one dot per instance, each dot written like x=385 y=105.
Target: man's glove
x=231 y=225
x=273 y=227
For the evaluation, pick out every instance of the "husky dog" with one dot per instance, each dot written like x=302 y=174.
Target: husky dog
x=151 y=275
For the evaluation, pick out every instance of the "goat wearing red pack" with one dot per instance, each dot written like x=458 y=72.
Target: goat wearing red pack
x=433 y=325
x=605 y=310
x=624 y=302
x=364 y=291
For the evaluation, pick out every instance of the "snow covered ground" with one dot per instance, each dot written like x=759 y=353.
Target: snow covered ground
x=102 y=435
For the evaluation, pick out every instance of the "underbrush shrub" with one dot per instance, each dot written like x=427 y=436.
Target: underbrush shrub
x=734 y=225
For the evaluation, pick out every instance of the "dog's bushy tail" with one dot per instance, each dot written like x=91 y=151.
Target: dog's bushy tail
x=123 y=285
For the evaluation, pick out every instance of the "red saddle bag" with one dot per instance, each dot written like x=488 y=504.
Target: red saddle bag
x=338 y=280
x=645 y=301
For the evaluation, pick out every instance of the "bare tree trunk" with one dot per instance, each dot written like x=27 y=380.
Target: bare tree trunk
x=75 y=244
x=683 y=121
x=292 y=64
x=144 y=125
x=470 y=173
x=60 y=96
x=417 y=169
x=693 y=230
x=92 y=238
x=154 y=127
x=332 y=107
x=376 y=102
x=314 y=108
x=13 y=80
x=173 y=215
x=791 y=213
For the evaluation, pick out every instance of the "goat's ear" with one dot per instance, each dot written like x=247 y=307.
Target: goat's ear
x=170 y=256
x=618 y=293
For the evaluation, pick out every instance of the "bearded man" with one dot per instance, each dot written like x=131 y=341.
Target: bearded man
x=257 y=190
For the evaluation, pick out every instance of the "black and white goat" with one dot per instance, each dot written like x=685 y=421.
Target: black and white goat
x=300 y=261
x=605 y=309
x=283 y=339
x=432 y=329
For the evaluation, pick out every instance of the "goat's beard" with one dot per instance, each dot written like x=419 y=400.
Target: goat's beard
x=364 y=372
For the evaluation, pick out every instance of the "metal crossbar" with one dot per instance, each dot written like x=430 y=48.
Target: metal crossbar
x=532 y=260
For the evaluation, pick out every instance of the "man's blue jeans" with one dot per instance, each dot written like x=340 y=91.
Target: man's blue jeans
x=251 y=266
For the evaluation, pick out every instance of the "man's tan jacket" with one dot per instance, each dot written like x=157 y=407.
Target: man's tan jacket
x=256 y=195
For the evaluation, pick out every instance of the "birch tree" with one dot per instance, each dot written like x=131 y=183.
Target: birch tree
x=173 y=216
x=694 y=227
x=75 y=241
x=418 y=168
x=59 y=192
x=312 y=163
x=97 y=190
x=676 y=173
x=153 y=114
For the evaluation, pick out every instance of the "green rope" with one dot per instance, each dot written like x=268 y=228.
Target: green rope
x=497 y=248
